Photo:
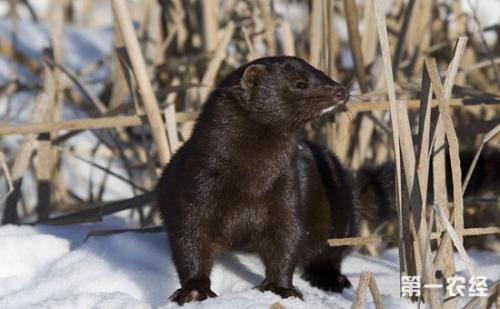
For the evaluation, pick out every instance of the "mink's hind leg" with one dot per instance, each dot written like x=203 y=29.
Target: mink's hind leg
x=193 y=258
x=323 y=271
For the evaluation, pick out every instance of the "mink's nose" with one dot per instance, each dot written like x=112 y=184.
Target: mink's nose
x=341 y=94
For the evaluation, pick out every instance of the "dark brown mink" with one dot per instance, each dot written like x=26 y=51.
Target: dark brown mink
x=245 y=180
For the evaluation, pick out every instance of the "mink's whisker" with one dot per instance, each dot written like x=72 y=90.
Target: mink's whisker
x=356 y=98
x=360 y=96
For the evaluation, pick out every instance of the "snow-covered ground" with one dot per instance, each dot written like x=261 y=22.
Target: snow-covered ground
x=55 y=267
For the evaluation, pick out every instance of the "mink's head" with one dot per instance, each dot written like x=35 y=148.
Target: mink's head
x=286 y=92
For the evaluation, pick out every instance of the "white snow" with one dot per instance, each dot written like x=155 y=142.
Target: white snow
x=55 y=267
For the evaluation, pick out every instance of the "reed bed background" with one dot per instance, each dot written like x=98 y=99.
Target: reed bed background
x=424 y=79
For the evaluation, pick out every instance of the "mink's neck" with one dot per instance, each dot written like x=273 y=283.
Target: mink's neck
x=228 y=135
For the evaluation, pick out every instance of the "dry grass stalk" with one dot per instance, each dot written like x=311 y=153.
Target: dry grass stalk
x=22 y=160
x=367 y=281
x=107 y=170
x=119 y=89
x=453 y=143
x=5 y=169
x=351 y=12
x=404 y=140
x=96 y=102
x=45 y=160
x=141 y=76
x=252 y=54
x=110 y=120
x=404 y=250
x=86 y=123
x=170 y=121
x=457 y=240
x=78 y=124
x=444 y=255
x=369 y=37
x=151 y=33
x=441 y=198
x=474 y=231
x=363 y=140
x=364 y=231
x=479 y=65
x=208 y=79
x=96 y=213
x=400 y=45
x=288 y=41
x=444 y=94
x=210 y=25
x=45 y=168
x=364 y=281
x=354 y=241
x=373 y=240
x=269 y=25
x=315 y=33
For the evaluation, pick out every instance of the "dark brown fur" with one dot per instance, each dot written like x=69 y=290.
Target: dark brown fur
x=246 y=181
x=377 y=188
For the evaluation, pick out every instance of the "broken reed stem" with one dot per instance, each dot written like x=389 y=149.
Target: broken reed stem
x=180 y=117
x=364 y=280
x=457 y=239
x=373 y=240
x=444 y=94
x=367 y=281
x=139 y=68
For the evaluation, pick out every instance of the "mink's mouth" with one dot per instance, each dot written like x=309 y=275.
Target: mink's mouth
x=328 y=105
x=333 y=101
x=328 y=110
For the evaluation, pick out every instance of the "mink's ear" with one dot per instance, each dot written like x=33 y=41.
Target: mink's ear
x=251 y=76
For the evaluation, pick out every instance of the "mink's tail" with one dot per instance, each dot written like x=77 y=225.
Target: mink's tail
x=376 y=185
x=376 y=194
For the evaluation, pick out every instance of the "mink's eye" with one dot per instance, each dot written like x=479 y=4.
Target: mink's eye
x=301 y=85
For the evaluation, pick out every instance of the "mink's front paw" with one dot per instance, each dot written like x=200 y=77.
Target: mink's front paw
x=331 y=280
x=191 y=293
x=281 y=291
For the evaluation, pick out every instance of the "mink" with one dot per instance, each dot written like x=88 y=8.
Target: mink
x=246 y=180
